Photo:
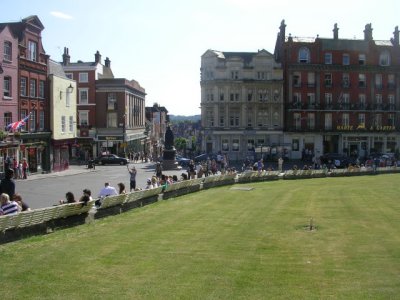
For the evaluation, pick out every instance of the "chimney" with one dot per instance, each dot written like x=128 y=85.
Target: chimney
x=335 y=32
x=368 y=33
x=97 y=57
x=107 y=62
x=395 y=39
x=282 y=30
x=65 y=57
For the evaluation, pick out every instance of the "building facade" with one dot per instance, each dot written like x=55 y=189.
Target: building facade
x=341 y=95
x=62 y=118
x=31 y=93
x=242 y=105
x=120 y=116
x=85 y=74
x=157 y=121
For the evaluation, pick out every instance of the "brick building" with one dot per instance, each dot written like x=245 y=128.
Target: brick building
x=341 y=95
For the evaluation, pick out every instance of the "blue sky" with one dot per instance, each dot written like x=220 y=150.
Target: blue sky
x=159 y=42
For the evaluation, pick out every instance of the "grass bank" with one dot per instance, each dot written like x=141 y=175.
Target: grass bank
x=225 y=243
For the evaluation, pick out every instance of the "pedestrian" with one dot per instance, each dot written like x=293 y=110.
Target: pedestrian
x=158 y=170
x=25 y=167
x=132 y=179
x=17 y=198
x=7 y=184
x=15 y=167
x=280 y=164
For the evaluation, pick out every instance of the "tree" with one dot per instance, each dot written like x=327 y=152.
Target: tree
x=180 y=143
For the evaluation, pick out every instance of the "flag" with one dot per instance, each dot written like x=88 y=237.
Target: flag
x=17 y=125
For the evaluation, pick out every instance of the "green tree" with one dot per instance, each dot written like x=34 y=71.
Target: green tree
x=180 y=143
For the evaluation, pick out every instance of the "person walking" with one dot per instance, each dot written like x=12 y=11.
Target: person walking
x=132 y=179
x=24 y=168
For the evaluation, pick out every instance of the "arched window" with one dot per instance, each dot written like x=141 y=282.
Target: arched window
x=384 y=59
x=304 y=55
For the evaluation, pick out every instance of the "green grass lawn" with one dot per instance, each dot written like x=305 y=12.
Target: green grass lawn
x=225 y=244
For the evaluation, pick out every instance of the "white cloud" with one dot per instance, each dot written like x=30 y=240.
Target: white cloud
x=61 y=15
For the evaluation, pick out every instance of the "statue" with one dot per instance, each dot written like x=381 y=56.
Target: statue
x=169 y=149
x=169 y=139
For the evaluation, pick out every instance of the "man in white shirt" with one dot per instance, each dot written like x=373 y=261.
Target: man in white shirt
x=107 y=190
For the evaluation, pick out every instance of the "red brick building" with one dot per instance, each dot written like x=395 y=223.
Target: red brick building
x=32 y=92
x=341 y=95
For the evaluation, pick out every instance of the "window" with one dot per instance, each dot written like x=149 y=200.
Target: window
x=32 y=51
x=378 y=81
x=297 y=79
x=392 y=106
x=33 y=121
x=234 y=96
x=250 y=96
x=297 y=121
x=361 y=101
x=384 y=59
x=7 y=51
x=83 y=96
x=225 y=145
x=111 y=101
x=32 y=88
x=346 y=59
x=262 y=118
x=311 y=121
x=71 y=123
x=250 y=145
x=24 y=113
x=41 y=89
x=378 y=101
x=345 y=80
x=63 y=125
x=221 y=120
x=234 y=120
x=235 y=144
x=361 y=121
x=23 y=86
x=7 y=86
x=311 y=79
x=391 y=82
x=69 y=75
x=361 y=59
x=83 y=77
x=41 y=120
x=83 y=117
x=111 y=120
x=235 y=75
x=328 y=100
x=345 y=119
x=297 y=100
x=210 y=118
x=362 y=81
x=260 y=142
x=328 y=80
x=328 y=58
x=249 y=118
x=311 y=100
x=221 y=96
x=390 y=120
x=304 y=55
x=7 y=118
x=328 y=121
x=378 y=120
x=67 y=99
x=261 y=75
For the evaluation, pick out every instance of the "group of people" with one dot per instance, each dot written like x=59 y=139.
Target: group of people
x=20 y=168
x=11 y=202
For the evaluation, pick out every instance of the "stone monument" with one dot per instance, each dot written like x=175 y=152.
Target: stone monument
x=169 y=153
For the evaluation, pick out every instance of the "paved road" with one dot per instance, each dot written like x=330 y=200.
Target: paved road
x=43 y=190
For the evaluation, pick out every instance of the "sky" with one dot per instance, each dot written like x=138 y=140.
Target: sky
x=159 y=43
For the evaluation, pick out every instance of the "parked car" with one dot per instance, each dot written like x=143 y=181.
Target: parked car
x=339 y=160
x=204 y=157
x=182 y=161
x=109 y=159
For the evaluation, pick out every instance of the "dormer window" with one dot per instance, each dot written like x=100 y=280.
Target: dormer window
x=7 y=51
x=384 y=59
x=304 y=55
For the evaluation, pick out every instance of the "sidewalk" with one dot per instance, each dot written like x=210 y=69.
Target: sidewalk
x=72 y=170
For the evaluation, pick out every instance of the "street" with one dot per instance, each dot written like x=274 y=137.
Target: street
x=48 y=190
